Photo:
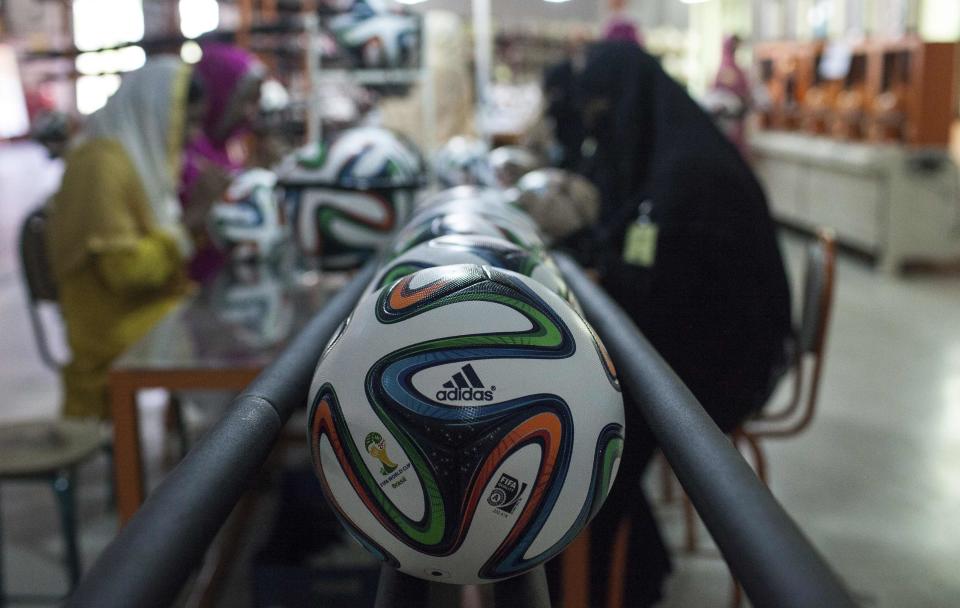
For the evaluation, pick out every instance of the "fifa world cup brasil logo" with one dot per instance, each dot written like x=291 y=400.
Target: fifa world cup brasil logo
x=378 y=449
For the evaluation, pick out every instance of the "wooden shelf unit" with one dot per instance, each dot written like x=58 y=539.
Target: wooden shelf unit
x=897 y=91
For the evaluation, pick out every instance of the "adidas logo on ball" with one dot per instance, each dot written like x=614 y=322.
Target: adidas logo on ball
x=465 y=385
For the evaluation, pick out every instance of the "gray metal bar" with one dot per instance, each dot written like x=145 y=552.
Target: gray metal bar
x=153 y=556
x=767 y=552
x=397 y=590
x=528 y=589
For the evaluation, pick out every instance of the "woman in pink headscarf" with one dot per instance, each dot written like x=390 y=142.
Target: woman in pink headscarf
x=231 y=78
x=620 y=27
x=729 y=100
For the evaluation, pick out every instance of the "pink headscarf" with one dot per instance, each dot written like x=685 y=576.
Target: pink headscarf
x=222 y=70
x=622 y=29
x=730 y=76
x=734 y=80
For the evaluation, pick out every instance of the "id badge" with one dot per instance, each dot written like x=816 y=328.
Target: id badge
x=640 y=244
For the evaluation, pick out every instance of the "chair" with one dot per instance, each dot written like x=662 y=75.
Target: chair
x=47 y=451
x=39 y=281
x=811 y=341
x=806 y=369
x=50 y=452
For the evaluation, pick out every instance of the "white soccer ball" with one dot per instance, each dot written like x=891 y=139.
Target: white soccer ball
x=347 y=198
x=562 y=203
x=377 y=33
x=343 y=228
x=487 y=202
x=465 y=424
x=248 y=222
x=422 y=229
x=463 y=161
x=480 y=250
x=509 y=163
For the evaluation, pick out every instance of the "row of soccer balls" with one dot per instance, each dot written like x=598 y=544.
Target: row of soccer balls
x=343 y=201
x=465 y=422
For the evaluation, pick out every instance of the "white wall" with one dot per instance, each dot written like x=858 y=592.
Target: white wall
x=661 y=13
x=511 y=11
x=650 y=13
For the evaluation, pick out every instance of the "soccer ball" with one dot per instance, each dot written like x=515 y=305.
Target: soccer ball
x=509 y=163
x=463 y=161
x=347 y=199
x=474 y=249
x=562 y=203
x=465 y=424
x=248 y=222
x=482 y=201
x=464 y=222
x=378 y=34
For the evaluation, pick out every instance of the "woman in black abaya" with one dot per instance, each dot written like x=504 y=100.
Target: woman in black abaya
x=691 y=255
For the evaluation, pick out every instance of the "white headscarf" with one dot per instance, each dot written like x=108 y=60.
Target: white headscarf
x=146 y=116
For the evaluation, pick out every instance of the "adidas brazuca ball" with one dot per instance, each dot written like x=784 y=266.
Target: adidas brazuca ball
x=485 y=202
x=466 y=223
x=248 y=223
x=347 y=198
x=465 y=424
x=474 y=249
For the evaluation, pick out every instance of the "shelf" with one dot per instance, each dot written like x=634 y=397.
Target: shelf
x=894 y=91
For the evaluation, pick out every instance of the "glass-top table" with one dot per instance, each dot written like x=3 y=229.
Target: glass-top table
x=219 y=338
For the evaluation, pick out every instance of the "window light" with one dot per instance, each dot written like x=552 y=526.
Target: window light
x=105 y=23
x=198 y=17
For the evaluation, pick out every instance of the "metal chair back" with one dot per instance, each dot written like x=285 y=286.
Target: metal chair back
x=38 y=278
x=818 y=285
x=817 y=293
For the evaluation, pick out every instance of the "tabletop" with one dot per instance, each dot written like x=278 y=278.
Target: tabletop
x=219 y=338
x=243 y=319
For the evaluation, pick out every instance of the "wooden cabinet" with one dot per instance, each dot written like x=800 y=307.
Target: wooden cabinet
x=899 y=91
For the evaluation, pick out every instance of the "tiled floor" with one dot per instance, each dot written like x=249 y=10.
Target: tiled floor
x=875 y=482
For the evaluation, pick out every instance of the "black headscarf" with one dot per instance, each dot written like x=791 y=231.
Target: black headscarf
x=715 y=302
x=559 y=85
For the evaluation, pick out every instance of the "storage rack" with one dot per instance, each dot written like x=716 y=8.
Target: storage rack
x=899 y=91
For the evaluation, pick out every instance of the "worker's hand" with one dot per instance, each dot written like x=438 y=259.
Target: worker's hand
x=209 y=188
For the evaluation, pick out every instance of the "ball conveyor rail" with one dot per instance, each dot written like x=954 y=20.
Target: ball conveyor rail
x=766 y=551
x=150 y=560
x=397 y=590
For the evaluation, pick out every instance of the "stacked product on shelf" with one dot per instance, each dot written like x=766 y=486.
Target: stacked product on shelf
x=375 y=34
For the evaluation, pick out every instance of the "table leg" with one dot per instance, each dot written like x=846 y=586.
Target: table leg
x=127 y=460
x=575 y=571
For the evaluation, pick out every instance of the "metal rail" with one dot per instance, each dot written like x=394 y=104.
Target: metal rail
x=397 y=590
x=154 y=555
x=766 y=551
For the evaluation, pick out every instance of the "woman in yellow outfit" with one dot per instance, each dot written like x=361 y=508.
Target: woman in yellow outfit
x=116 y=238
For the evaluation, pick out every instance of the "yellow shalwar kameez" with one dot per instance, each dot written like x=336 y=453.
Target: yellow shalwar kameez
x=118 y=270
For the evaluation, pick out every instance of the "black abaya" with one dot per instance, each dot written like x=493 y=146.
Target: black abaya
x=712 y=298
